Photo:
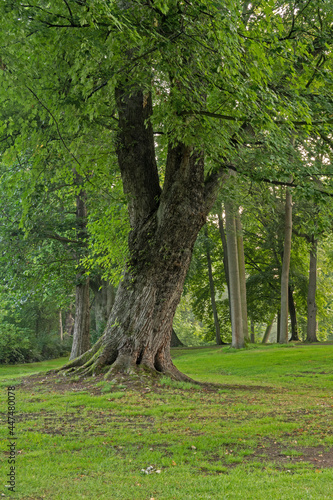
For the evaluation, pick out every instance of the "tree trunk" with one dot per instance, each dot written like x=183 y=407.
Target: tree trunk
x=103 y=301
x=267 y=332
x=278 y=326
x=242 y=276
x=69 y=323
x=61 y=329
x=81 y=333
x=175 y=341
x=285 y=270
x=252 y=333
x=235 y=293
x=164 y=227
x=293 y=316
x=212 y=291
x=225 y=259
x=311 y=330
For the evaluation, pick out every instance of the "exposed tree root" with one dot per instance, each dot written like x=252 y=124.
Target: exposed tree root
x=82 y=361
x=103 y=357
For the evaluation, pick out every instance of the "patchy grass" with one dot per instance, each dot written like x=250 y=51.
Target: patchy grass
x=268 y=428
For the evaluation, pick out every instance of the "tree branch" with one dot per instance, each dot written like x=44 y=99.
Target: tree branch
x=63 y=239
x=246 y=119
x=69 y=9
x=56 y=123
x=273 y=182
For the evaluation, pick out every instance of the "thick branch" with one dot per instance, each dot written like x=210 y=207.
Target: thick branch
x=244 y=118
x=274 y=182
x=63 y=239
x=136 y=153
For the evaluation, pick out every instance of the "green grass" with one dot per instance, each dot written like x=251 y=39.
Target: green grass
x=267 y=429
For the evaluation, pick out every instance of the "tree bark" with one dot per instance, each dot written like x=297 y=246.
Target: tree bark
x=103 y=302
x=164 y=227
x=225 y=259
x=285 y=270
x=69 y=323
x=293 y=315
x=212 y=291
x=81 y=333
x=278 y=326
x=252 y=333
x=234 y=281
x=311 y=330
x=267 y=332
x=61 y=329
x=175 y=341
x=242 y=275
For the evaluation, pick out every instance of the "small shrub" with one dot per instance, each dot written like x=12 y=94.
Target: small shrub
x=15 y=343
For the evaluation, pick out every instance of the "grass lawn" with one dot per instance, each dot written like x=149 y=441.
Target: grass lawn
x=265 y=432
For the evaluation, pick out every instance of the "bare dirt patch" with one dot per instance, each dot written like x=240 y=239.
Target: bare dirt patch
x=279 y=454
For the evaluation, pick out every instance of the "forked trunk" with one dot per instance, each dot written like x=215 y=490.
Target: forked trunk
x=138 y=332
x=164 y=227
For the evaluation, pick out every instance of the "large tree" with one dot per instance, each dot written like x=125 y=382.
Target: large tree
x=195 y=74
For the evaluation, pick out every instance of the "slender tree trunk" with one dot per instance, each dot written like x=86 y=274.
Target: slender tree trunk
x=110 y=298
x=103 y=301
x=252 y=333
x=311 y=330
x=81 y=333
x=267 y=332
x=69 y=323
x=212 y=291
x=235 y=293
x=285 y=270
x=225 y=259
x=293 y=315
x=164 y=227
x=175 y=341
x=242 y=276
x=61 y=329
x=278 y=326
